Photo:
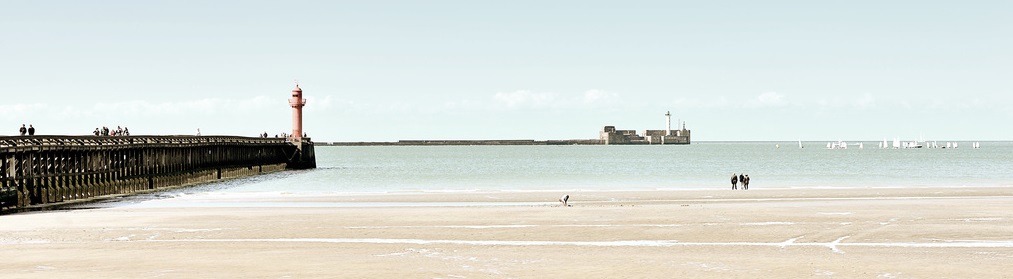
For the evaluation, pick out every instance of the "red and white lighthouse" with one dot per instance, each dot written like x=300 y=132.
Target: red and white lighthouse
x=297 y=102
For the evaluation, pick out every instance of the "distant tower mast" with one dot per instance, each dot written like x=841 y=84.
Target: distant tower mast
x=668 y=122
x=297 y=102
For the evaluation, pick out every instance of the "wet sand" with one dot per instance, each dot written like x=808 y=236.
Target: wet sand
x=843 y=233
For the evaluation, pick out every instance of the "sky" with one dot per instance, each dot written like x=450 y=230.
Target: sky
x=393 y=70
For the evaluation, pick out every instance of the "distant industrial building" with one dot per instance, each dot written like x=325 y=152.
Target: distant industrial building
x=609 y=135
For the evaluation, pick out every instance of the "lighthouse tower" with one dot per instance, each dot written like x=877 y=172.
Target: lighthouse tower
x=297 y=102
x=668 y=123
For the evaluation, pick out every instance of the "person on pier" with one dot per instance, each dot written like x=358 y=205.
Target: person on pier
x=23 y=130
x=31 y=130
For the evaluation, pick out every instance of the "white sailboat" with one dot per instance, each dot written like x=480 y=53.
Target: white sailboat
x=837 y=145
x=800 y=144
x=896 y=142
x=914 y=144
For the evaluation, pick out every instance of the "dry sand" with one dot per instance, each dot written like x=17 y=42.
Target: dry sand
x=844 y=233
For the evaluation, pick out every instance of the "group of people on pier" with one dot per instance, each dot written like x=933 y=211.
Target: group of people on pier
x=105 y=131
x=740 y=179
x=30 y=130
x=282 y=135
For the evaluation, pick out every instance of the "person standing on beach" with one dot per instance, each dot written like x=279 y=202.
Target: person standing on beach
x=735 y=182
x=23 y=130
x=745 y=183
x=742 y=180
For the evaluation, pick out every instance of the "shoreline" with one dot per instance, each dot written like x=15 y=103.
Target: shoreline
x=1000 y=188
x=549 y=198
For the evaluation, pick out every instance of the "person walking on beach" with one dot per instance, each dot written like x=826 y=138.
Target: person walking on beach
x=735 y=182
x=563 y=199
x=31 y=130
x=23 y=130
x=745 y=183
x=742 y=180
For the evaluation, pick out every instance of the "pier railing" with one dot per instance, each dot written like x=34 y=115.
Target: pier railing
x=39 y=170
x=31 y=142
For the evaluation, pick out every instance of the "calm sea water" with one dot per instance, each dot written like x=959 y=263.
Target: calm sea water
x=706 y=165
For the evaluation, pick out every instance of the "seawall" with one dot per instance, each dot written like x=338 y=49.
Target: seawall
x=465 y=142
x=623 y=141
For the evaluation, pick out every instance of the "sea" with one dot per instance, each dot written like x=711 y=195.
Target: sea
x=359 y=170
x=704 y=165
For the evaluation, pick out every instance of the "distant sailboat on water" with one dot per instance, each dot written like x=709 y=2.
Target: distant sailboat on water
x=800 y=144
x=837 y=145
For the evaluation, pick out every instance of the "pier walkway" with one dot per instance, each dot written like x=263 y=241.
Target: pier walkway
x=45 y=170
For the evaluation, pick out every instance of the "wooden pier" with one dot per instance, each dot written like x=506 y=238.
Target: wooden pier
x=45 y=170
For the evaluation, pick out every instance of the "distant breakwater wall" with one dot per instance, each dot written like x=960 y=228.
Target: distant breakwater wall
x=46 y=170
x=465 y=142
x=609 y=141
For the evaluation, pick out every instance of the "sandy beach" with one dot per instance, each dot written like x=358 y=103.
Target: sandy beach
x=764 y=233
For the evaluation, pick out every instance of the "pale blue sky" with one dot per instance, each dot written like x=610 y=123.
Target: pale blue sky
x=389 y=70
